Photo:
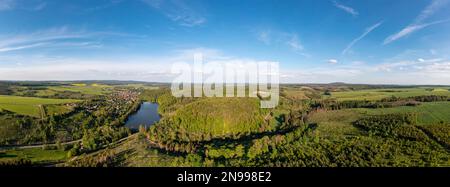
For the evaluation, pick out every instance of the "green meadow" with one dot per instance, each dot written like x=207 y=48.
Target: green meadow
x=30 y=106
x=93 y=89
x=36 y=155
x=377 y=94
x=429 y=113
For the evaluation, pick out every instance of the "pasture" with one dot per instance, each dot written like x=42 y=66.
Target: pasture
x=94 y=89
x=429 y=113
x=302 y=93
x=378 y=94
x=36 y=155
x=334 y=124
x=31 y=106
x=57 y=109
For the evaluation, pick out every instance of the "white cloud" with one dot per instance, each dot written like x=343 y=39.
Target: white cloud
x=40 y=6
x=142 y=68
x=366 y=32
x=157 y=69
x=23 y=41
x=178 y=11
x=60 y=37
x=332 y=61
x=430 y=10
x=20 y=47
x=281 y=38
x=28 y=5
x=294 y=43
x=418 y=24
x=429 y=71
x=409 y=65
x=409 y=30
x=347 y=9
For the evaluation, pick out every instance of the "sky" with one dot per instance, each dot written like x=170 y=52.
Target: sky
x=314 y=41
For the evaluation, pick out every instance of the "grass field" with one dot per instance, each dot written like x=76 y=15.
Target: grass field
x=36 y=155
x=47 y=92
x=142 y=86
x=336 y=123
x=57 y=109
x=429 y=113
x=377 y=94
x=93 y=89
x=339 y=122
x=300 y=93
x=28 y=105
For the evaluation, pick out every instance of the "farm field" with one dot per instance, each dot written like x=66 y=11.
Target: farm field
x=336 y=123
x=300 y=93
x=57 y=109
x=35 y=155
x=28 y=105
x=378 y=94
x=93 y=89
x=428 y=113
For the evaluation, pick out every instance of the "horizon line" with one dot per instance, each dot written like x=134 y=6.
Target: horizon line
x=164 y=82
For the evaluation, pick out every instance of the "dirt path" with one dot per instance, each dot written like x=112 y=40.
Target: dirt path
x=42 y=112
x=38 y=146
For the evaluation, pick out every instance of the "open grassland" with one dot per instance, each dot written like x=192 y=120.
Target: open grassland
x=30 y=106
x=428 y=113
x=142 y=86
x=93 y=89
x=333 y=124
x=36 y=155
x=57 y=109
x=46 y=93
x=377 y=94
x=301 y=93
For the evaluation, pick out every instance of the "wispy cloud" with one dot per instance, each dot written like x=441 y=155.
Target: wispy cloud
x=413 y=65
x=6 y=4
x=20 y=47
x=366 y=32
x=59 y=37
x=178 y=11
x=347 y=9
x=409 y=30
x=294 y=43
x=418 y=72
x=39 y=39
x=281 y=38
x=40 y=6
x=264 y=36
x=145 y=68
x=418 y=24
x=28 y=5
x=106 y=5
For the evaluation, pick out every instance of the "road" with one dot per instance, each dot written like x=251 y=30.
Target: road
x=63 y=143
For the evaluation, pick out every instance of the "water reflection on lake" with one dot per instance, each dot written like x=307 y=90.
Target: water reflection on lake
x=146 y=115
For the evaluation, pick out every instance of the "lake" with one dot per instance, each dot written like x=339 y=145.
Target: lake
x=146 y=115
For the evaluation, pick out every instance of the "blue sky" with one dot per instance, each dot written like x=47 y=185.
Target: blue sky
x=320 y=41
